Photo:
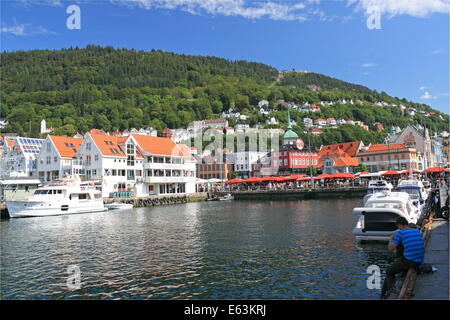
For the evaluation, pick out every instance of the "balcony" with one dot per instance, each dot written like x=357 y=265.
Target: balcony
x=169 y=179
x=168 y=166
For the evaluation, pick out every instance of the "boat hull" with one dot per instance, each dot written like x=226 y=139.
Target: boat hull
x=377 y=224
x=21 y=209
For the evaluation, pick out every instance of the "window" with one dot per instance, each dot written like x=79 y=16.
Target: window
x=96 y=158
x=55 y=159
x=130 y=149
x=88 y=146
x=130 y=160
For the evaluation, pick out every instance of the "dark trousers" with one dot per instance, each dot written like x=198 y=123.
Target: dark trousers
x=400 y=265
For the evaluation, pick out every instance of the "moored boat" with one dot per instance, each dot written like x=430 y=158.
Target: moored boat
x=60 y=197
x=118 y=206
x=377 y=217
x=416 y=191
x=376 y=186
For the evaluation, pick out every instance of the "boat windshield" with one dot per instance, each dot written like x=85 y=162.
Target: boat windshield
x=48 y=192
x=413 y=193
x=374 y=190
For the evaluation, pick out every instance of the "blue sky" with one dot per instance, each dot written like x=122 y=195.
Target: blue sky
x=407 y=57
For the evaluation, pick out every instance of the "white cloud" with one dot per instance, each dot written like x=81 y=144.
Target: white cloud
x=369 y=65
x=25 y=30
x=434 y=52
x=415 y=8
x=422 y=88
x=287 y=10
x=427 y=96
x=17 y=30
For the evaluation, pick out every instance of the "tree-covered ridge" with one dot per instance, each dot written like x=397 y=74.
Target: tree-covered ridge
x=310 y=80
x=117 y=89
x=46 y=70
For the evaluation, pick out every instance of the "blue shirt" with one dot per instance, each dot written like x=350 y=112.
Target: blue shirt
x=412 y=243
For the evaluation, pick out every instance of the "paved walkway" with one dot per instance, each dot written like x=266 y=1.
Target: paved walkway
x=436 y=285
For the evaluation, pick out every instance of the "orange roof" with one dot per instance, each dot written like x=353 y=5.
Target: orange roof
x=67 y=146
x=108 y=145
x=185 y=150
x=10 y=143
x=162 y=146
x=348 y=148
x=384 y=147
x=346 y=162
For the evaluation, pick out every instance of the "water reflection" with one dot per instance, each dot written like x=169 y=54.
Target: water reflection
x=219 y=250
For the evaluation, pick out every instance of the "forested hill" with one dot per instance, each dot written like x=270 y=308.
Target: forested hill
x=45 y=70
x=115 y=89
x=316 y=81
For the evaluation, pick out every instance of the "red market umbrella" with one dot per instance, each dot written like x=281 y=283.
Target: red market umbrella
x=267 y=179
x=322 y=176
x=435 y=170
x=253 y=180
x=391 y=173
x=338 y=175
x=234 y=181
x=293 y=177
x=409 y=171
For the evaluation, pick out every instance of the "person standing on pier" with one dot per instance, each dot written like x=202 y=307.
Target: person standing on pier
x=413 y=253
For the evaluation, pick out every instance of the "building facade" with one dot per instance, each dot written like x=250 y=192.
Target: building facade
x=58 y=158
x=380 y=157
x=19 y=157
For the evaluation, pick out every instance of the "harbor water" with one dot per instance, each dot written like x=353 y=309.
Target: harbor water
x=299 y=249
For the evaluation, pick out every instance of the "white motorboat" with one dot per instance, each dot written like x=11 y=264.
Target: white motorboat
x=376 y=186
x=118 y=206
x=226 y=197
x=416 y=190
x=377 y=217
x=60 y=197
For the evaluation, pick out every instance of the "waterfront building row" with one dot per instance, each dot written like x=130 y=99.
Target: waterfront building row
x=137 y=164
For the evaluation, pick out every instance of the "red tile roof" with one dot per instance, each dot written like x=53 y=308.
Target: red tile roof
x=108 y=145
x=161 y=146
x=67 y=146
x=384 y=147
x=348 y=148
x=346 y=162
x=10 y=143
